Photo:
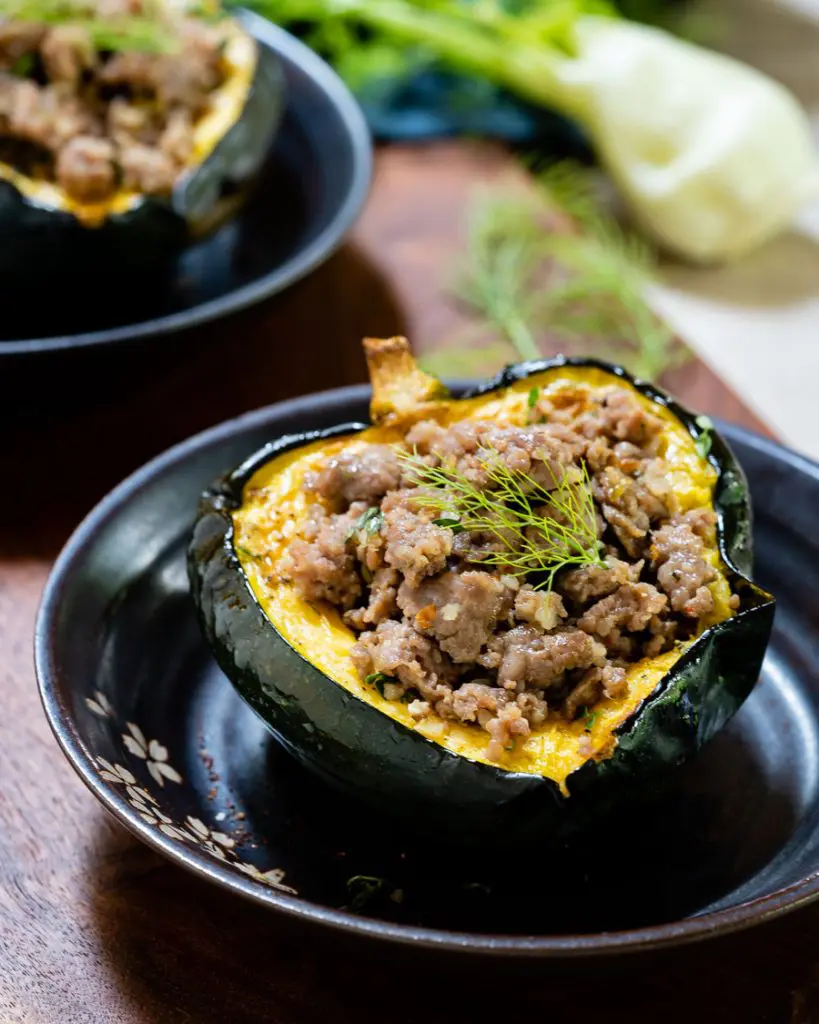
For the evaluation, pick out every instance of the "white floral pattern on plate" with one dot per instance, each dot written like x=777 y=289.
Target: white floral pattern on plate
x=99 y=705
x=152 y=752
x=154 y=755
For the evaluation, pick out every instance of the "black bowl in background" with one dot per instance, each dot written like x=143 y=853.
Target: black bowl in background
x=309 y=192
x=167 y=745
x=46 y=248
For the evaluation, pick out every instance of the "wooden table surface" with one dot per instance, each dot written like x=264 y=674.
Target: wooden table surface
x=96 y=928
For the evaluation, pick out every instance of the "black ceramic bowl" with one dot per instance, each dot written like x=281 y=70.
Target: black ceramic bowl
x=46 y=248
x=309 y=191
x=163 y=740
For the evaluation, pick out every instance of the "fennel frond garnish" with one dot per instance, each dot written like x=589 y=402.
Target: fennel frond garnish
x=533 y=530
x=527 y=278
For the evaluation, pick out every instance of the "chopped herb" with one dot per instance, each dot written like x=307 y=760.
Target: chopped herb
x=370 y=522
x=733 y=493
x=377 y=679
x=705 y=439
x=23 y=66
x=453 y=524
x=367 y=574
x=406 y=698
x=510 y=746
x=151 y=31
x=531 y=401
x=363 y=889
x=246 y=552
x=589 y=718
x=523 y=281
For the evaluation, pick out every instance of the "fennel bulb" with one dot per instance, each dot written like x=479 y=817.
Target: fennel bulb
x=712 y=156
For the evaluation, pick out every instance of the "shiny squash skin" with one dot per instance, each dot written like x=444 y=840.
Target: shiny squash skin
x=48 y=238
x=342 y=729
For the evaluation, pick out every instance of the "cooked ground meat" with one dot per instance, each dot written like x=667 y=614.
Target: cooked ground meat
x=610 y=680
x=677 y=553
x=414 y=544
x=85 y=168
x=176 y=140
x=531 y=450
x=48 y=116
x=542 y=608
x=612 y=413
x=363 y=474
x=399 y=650
x=322 y=564
x=460 y=610
x=623 y=417
x=67 y=53
x=18 y=39
x=628 y=506
x=662 y=634
x=103 y=118
x=381 y=601
x=598 y=581
x=146 y=170
x=629 y=609
x=526 y=655
x=127 y=123
x=443 y=609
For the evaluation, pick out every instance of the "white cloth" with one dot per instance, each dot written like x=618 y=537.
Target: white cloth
x=757 y=322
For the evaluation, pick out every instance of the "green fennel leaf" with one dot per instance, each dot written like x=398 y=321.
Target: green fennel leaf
x=23 y=66
x=150 y=31
x=524 y=274
x=453 y=524
x=705 y=439
x=526 y=277
x=377 y=679
x=370 y=522
x=533 y=529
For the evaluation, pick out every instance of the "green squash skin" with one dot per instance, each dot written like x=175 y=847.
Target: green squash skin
x=402 y=774
x=42 y=245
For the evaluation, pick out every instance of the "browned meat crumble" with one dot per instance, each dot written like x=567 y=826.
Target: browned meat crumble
x=96 y=121
x=475 y=643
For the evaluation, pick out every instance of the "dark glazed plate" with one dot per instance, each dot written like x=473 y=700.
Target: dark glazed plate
x=163 y=740
x=310 y=192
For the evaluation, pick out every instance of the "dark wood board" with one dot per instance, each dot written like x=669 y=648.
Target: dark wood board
x=96 y=928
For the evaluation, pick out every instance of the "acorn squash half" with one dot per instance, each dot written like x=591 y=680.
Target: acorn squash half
x=46 y=234
x=290 y=659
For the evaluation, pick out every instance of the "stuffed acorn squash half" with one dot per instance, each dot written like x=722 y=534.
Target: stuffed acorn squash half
x=493 y=616
x=127 y=129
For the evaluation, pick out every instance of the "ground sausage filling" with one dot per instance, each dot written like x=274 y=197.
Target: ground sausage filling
x=502 y=575
x=95 y=121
